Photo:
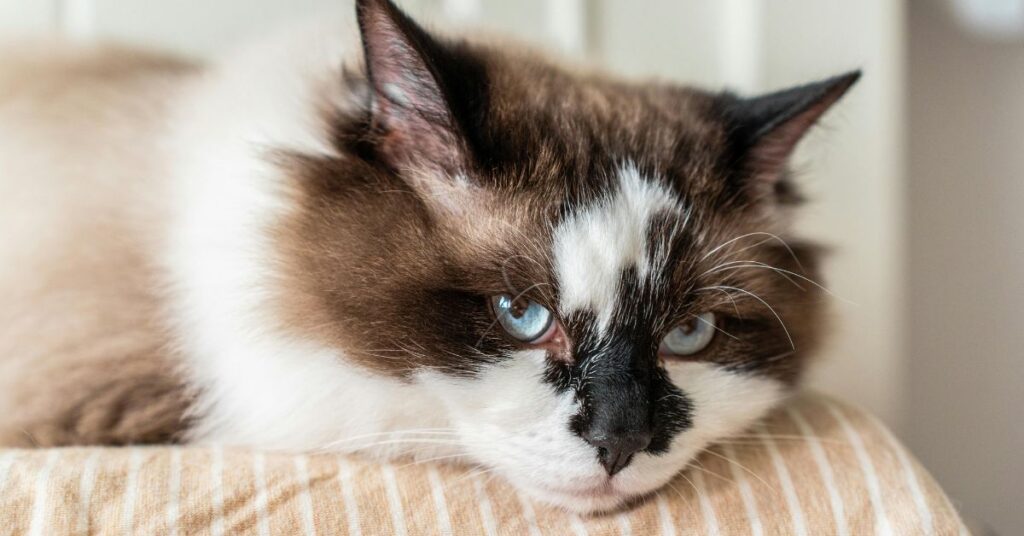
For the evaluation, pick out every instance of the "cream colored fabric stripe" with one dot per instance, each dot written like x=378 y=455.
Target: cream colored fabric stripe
x=6 y=461
x=625 y=527
x=578 y=528
x=305 y=501
x=173 y=492
x=40 y=522
x=86 y=482
x=746 y=492
x=668 y=527
x=259 y=470
x=706 y=508
x=867 y=467
x=923 y=511
x=789 y=491
x=217 y=491
x=394 y=499
x=529 y=515
x=490 y=527
x=824 y=469
x=131 y=491
x=444 y=520
x=348 y=496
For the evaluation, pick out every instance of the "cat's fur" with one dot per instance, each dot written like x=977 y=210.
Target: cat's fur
x=282 y=251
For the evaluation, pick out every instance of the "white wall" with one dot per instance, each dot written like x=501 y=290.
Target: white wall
x=966 y=180
x=852 y=166
x=24 y=17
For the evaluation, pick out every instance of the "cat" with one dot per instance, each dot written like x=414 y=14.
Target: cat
x=422 y=246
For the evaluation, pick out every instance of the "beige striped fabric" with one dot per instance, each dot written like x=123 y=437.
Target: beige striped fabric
x=813 y=467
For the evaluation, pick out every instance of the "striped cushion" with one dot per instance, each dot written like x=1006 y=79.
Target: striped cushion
x=814 y=467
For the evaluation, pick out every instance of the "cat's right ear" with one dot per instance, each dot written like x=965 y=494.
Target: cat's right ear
x=415 y=129
x=764 y=130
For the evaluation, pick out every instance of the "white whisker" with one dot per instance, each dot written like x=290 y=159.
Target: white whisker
x=770 y=236
x=758 y=298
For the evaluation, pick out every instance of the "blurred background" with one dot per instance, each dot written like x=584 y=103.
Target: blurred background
x=915 y=179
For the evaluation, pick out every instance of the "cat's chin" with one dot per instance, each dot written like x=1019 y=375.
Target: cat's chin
x=604 y=499
x=583 y=502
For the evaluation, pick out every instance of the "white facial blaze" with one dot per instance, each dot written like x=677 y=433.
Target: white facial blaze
x=595 y=245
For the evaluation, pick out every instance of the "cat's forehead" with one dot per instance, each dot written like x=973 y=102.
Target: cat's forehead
x=600 y=241
x=538 y=117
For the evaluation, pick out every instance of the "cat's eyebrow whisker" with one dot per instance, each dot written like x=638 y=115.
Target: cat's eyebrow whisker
x=770 y=236
x=735 y=265
x=715 y=326
x=504 y=269
x=521 y=256
x=735 y=307
x=528 y=289
x=733 y=253
x=770 y=308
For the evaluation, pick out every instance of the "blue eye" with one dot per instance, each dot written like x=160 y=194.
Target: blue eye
x=526 y=321
x=689 y=337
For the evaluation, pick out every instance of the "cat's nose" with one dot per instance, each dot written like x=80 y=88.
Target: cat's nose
x=615 y=449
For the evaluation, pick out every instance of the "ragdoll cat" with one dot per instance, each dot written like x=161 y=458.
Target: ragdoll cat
x=418 y=247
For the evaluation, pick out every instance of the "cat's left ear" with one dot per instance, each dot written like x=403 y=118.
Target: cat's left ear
x=415 y=79
x=764 y=130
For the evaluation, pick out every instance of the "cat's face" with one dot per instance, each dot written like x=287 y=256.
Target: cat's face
x=593 y=277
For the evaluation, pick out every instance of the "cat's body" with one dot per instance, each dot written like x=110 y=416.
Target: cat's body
x=82 y=210
x=279 y=251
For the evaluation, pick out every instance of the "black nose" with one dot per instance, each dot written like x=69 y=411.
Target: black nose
x=615 y=449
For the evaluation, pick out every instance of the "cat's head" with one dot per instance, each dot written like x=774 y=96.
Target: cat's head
x=594 y=277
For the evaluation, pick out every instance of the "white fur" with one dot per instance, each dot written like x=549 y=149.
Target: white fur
x=594 y=245
x=259 y=387
x=263 y=388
